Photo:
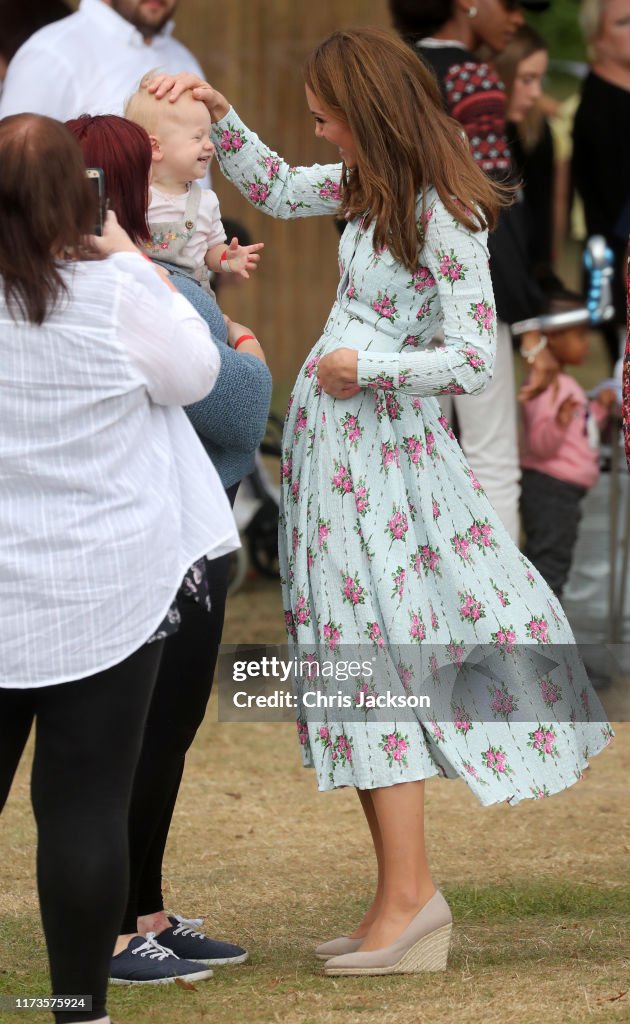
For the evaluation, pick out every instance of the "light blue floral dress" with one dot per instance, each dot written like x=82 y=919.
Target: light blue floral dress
x=388 y=543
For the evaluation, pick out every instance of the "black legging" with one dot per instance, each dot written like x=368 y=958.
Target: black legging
x=88 y=738
x=177 y=709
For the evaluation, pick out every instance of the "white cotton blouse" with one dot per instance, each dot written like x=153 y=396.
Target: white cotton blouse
x=106 y=493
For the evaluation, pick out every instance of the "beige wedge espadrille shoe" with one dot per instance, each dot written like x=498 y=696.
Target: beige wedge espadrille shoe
x=423 y=946
x=337 y=947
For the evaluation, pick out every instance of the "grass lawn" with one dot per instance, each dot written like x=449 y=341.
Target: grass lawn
x=540 y=892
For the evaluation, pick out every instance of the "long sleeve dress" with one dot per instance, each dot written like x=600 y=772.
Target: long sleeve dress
x=388 y=545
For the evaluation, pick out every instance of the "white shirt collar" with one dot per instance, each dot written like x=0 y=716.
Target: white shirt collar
x=432 y=43
x=111 y=22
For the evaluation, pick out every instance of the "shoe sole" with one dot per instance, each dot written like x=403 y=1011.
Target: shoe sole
x=225 y=962
x=197 y=976
x=428 y=954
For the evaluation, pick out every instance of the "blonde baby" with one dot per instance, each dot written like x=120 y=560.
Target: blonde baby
x=185 y=220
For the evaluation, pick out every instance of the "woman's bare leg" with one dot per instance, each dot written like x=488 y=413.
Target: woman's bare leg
x=406 y=879
x=365 y=796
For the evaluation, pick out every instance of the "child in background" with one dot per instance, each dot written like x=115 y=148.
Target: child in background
x=185 y=220
x=560 y=454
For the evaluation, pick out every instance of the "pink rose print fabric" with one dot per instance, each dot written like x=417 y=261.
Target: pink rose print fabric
x=387 y=539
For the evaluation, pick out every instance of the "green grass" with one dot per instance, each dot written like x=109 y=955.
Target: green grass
x=569 y=938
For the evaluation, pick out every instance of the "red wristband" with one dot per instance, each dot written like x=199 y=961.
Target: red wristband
x=224 y=263
x=243 y=337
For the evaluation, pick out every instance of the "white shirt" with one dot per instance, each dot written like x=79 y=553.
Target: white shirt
x=107 y=495
x=209 y=230
x=87 y=63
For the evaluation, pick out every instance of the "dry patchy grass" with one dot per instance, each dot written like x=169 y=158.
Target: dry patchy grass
x=540 y=892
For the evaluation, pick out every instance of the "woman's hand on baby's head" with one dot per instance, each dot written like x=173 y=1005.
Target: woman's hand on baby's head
x=173 y=86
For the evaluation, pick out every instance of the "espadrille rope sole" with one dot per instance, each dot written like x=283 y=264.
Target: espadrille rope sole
x=430 y=953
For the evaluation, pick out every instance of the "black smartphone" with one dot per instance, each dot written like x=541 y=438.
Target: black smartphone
x=96 y=177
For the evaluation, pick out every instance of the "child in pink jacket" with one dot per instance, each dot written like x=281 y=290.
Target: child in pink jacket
x=560 y=456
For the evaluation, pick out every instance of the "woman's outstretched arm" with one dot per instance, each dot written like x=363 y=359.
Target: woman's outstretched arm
x=263 y=177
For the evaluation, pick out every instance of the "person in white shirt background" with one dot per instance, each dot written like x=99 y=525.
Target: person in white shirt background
x=19 y=21
x=90 y=62
x=108 y=497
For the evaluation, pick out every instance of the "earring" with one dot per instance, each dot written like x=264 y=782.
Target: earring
x=472 y=12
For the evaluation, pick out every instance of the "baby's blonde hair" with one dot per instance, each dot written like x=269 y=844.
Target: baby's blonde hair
x=149 y=112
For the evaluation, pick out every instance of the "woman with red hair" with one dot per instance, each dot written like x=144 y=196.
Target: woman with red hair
x=230 y=422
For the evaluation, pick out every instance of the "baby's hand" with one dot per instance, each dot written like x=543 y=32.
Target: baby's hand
x=239 y=259
x=566 y=411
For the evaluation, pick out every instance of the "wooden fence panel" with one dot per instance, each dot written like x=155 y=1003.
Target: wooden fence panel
x=253 y=50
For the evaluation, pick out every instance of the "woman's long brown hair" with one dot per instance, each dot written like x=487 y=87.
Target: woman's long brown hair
x=405 y=141
x=47 y=207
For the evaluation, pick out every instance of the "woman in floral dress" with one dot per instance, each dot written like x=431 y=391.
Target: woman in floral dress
x=388 y=542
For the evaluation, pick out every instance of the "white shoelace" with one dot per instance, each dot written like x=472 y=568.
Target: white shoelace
x=152 y=949
x=186 y=926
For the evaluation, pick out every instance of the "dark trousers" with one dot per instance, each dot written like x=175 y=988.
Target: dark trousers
x=551 y=512
x=177 y=709
x=88 y=739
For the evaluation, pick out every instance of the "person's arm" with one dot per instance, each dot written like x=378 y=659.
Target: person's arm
x=267 y=181
x=38 y=82
x=592 y=148
x=263 y=177
x=240 y=337
x=234 y=415
x=458 y=261
x=544 y=367
x=538 y=172
x=167 y=342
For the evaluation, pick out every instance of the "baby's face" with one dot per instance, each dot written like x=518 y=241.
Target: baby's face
x=185 y=140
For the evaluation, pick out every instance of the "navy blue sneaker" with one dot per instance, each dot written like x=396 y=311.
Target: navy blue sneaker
x=146 y=962
x=197 y=948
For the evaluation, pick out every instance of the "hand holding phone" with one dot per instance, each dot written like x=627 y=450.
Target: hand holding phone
x=113 y=238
